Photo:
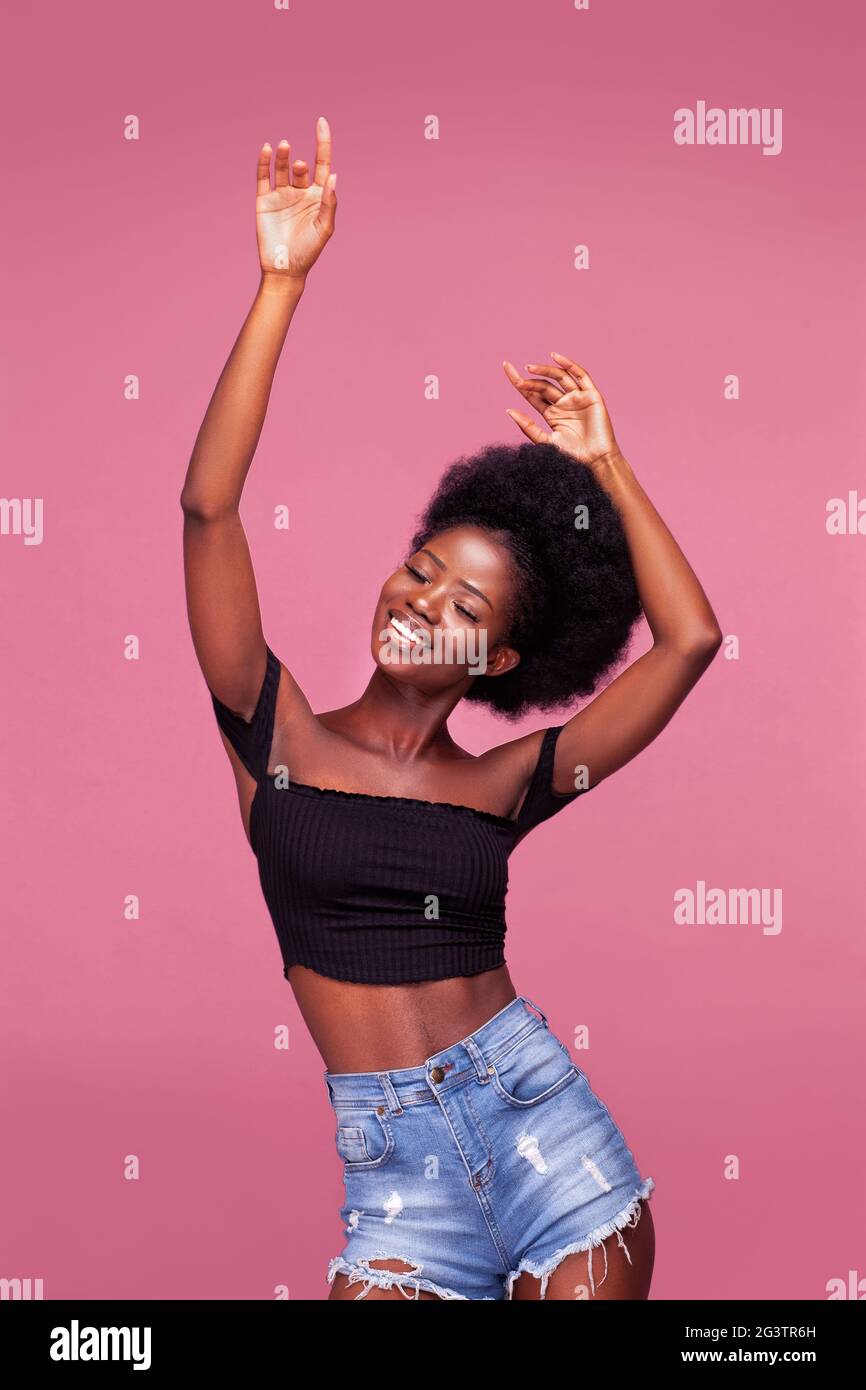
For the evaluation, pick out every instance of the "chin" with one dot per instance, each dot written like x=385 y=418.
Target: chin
x=394 y=659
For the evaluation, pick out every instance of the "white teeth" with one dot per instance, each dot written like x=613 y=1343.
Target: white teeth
x=411 y=634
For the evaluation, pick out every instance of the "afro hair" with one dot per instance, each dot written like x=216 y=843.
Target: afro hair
x=576 y=601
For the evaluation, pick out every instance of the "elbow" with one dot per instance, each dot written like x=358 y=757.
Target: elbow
x=703 y=645
x=199 y=509
x=698 y=647
x=713 y=640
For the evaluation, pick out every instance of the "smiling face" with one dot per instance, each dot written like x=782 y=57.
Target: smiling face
x=443 y=616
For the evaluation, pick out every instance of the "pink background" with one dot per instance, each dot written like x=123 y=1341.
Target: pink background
x=155 y=1037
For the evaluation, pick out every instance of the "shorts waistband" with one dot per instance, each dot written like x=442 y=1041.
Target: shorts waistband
x=463 y=1061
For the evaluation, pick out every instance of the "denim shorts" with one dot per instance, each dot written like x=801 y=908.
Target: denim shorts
x=493 y=1158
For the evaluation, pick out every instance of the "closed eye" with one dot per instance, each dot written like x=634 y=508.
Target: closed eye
x=459 y=606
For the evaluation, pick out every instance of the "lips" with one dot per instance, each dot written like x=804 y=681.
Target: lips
x=406 y=627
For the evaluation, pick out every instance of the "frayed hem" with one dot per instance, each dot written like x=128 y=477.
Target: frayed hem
x=629 y=1216
x=387 y=1278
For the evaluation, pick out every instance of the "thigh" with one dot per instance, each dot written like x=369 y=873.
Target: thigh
x=615 y=1269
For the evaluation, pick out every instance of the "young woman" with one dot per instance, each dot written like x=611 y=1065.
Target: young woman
x=478 y=1161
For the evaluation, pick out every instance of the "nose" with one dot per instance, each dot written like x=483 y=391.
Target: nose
x=427 y=604
x=423 y=609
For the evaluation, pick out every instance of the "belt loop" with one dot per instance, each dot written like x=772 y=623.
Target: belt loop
x=534 y=1006
x=390 y=1094
x=478 y=1059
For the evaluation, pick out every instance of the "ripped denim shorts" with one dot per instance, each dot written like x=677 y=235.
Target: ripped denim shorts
x=493 y=1158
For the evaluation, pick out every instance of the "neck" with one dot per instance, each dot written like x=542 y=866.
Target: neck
x=400 y=721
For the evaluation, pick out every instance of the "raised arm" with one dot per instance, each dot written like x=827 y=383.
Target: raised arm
x=637 y=705
x=294 y=221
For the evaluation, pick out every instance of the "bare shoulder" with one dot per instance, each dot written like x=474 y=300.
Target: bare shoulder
x=516 y=754
x=512 y=764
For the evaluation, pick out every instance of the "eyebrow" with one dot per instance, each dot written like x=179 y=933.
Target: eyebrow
x=463 y=582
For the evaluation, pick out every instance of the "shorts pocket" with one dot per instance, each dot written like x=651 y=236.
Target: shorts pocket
x=536 y=1068
x=364 y=1139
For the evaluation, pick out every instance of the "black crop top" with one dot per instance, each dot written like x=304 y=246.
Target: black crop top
x=380 y=889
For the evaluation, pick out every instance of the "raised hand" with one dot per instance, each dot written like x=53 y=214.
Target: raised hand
x=295 y=218
x=570 y=405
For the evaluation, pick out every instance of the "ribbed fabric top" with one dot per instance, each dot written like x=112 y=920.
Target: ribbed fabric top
x=380 y=889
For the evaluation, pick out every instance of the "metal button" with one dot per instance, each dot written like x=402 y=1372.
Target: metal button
x=380 y=1109
x=491 y=1069
x=437 y=1074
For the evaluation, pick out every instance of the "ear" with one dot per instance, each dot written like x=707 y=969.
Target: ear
x=505 y=660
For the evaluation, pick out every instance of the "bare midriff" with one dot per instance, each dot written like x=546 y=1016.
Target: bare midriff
x=361 y=1028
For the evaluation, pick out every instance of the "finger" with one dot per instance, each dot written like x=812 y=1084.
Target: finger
x=559 y=374
x=532 y=390
x=328 y=207
x=281 y=165
x=536 y=391
x=323 y=152
x=529 y=427
x=574 y=369
x=300 y=174
x=263 y=172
